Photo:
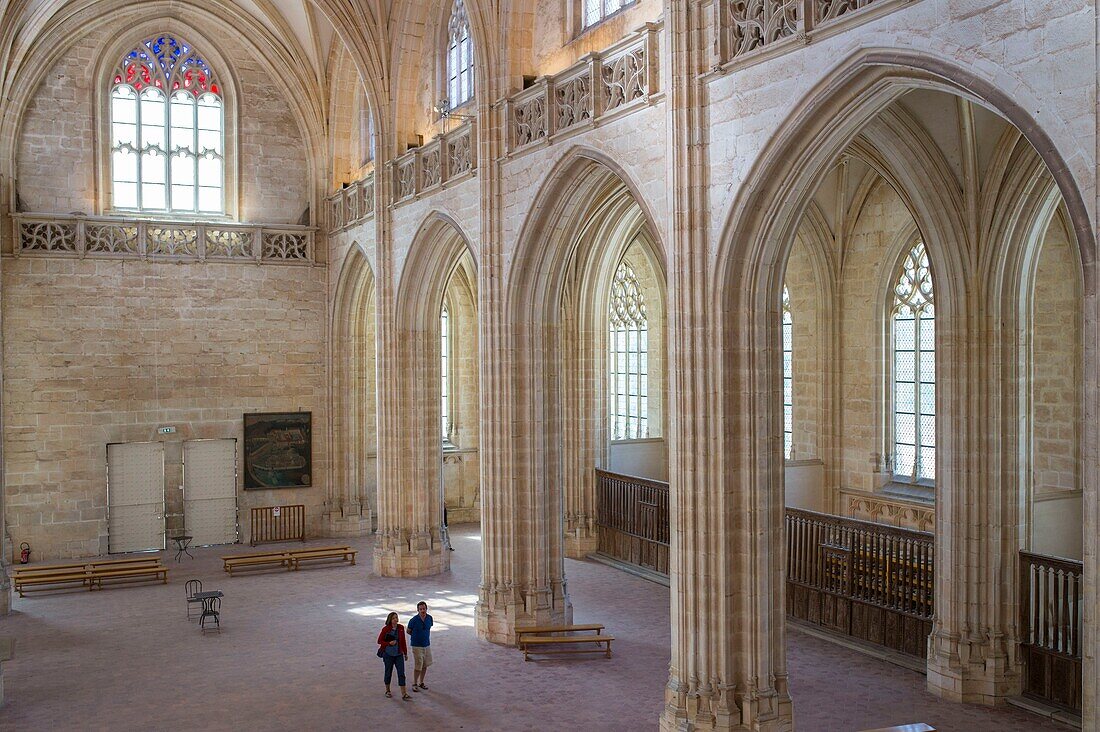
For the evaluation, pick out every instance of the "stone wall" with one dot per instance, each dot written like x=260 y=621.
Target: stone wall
x=56 y=154
x=97 y=352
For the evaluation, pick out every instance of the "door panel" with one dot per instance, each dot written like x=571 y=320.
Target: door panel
x=135 y=496
x=210 y=491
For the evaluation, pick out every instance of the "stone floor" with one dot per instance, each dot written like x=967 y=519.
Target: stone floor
x=297 y=652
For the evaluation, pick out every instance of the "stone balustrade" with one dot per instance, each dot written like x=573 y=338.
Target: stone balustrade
x=351 y=205
x=121 y=238
x=888 y=510
x=749 y=28
x=428 y=168
x=622 y=78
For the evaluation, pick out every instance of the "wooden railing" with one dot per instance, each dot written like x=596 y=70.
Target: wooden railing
x=1050 y=628
x=278 y=523
x=632 y=515
x=862 y=579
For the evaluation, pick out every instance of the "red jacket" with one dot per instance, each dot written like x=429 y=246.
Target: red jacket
x=382 y=643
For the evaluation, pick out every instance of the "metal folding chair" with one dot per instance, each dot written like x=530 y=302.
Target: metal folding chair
x=191 y=587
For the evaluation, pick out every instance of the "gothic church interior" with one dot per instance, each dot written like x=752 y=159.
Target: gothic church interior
x=761 y=335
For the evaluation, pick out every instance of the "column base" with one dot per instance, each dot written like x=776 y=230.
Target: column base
x=692 y=709
x=579 y=545
x=418 y=555
x=337 y=526
x=500 y=611
x=971 y=671
x=5 y=591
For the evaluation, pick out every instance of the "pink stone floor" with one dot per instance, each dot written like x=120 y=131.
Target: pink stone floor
x=297 y=653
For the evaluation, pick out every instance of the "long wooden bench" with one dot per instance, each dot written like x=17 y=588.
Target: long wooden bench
x=90 y=573
x=343 y=553
x=127 y=574
x=259 y=559
x=58 y=579
x=544 y=644
x=540 y=639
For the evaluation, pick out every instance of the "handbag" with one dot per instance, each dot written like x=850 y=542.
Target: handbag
x=380 y=653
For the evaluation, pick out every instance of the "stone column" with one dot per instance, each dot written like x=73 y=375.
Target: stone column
x=727 y=670
x=410 y=537
x=5 y=542
x=523 y=579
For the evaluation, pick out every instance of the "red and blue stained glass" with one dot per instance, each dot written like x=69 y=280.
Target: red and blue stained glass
x=167 y=63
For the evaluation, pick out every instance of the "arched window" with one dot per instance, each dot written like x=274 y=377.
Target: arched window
x=444 y=372
x=167 y=137
x=366 y=130
x=460 y=58
x=593 y=11
x=788 y=377
x=913 y=321
x=629 y=357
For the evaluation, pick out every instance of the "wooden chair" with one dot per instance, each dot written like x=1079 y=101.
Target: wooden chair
x=191 y=587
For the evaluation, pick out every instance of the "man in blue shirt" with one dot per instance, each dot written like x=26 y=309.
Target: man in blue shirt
x=420 y=629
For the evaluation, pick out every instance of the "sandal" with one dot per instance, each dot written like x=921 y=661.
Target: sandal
x=406 y=698
x=424 y=687
x=389 y=695
x=414 y=688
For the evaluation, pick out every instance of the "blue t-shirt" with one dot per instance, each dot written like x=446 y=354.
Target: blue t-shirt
x=419 y=630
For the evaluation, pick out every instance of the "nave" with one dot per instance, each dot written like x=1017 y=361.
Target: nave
x=297 y=652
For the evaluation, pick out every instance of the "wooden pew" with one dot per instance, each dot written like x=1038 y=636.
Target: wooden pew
x=258 y=559
x=343 y=553
x=89 y=573
x=538 y=639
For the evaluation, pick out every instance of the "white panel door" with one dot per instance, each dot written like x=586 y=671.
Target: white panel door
x=210 y=491
x=135 y=496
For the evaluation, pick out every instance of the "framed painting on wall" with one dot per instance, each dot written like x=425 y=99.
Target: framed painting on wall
x=278 y=450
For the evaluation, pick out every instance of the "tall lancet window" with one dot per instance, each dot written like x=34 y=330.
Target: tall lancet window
x=914 y=381
x=593 y=11
x=167 y=137
x=445 y=372
x=460 y=57
x=788 y=377
x=629 y=357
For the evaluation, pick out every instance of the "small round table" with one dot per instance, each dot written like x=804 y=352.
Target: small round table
x=182 y=543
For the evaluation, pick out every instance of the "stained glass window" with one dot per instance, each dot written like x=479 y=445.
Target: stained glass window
x=914 y=369
x=444 y=378
x=628 y=357
x=788 y=377
x=460 y=58
x=167 y=137
x=593 y=11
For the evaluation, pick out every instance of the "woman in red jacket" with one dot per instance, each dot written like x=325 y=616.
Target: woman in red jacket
x=392 y=649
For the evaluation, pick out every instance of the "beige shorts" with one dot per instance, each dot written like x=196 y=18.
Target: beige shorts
x=422 y=657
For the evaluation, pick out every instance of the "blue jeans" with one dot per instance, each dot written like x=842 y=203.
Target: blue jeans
x=399 y=662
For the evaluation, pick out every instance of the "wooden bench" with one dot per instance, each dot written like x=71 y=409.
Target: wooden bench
x=550 y=629
x=343 y=553
x=918 y=727
x=89 y=573
x=63 y=577
x=259 y=559
x=544 y=644
x=96 y=575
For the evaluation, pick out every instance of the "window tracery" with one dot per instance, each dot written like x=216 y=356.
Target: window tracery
x=788 y=377
x=914 y=369
x=629 y=357
x=460 y=58
x=167 y=132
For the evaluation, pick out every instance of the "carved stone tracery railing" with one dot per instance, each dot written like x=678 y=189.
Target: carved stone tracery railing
x=748 y=26
x=87 y=236
x=888 y=511
x=447 y=158
x=351 y=205
x=625 y=76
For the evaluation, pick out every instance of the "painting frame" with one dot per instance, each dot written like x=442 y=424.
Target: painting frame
x=278 y=450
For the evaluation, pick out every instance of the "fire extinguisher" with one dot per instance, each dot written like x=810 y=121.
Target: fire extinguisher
x=24 y=553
